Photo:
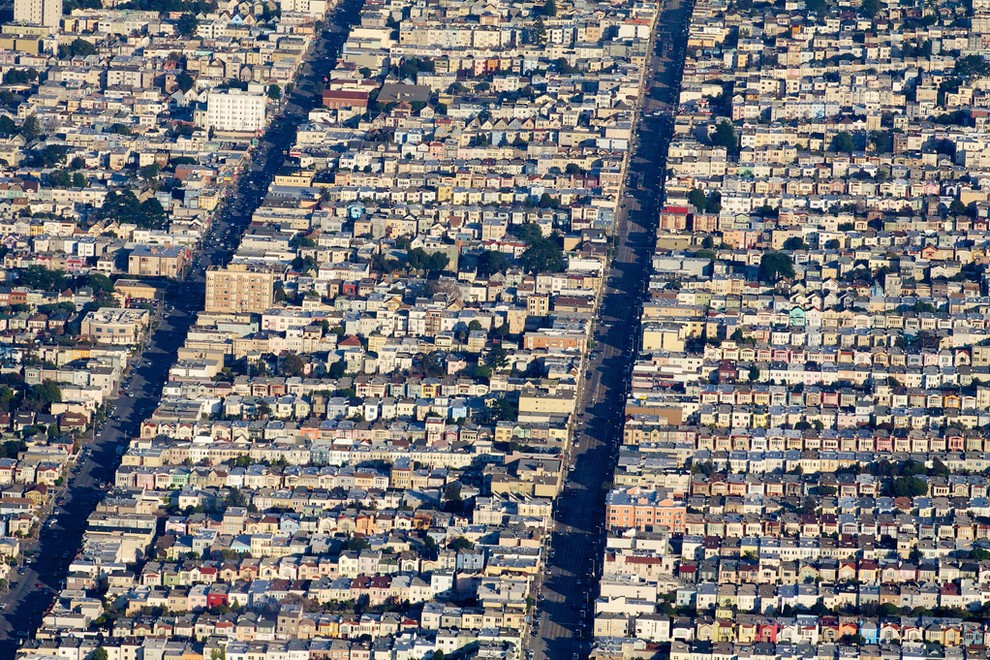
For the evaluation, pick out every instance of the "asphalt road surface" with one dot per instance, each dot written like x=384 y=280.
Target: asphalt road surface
x=564 y=616
x=34 y=588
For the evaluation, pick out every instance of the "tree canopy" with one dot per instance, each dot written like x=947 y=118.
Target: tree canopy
x=775 y=266
x=187 y=24
x=543 y=254
x=78 y=48
x=125 y=207
x=843 y=143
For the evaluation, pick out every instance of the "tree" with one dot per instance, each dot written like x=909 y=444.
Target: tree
x=869 y=8
x=184 y=81
x=842 y=143
x=78 y=48
x=431 y=263
x=697 y=198
x=39 y=277
x=60 y=179
x=337 y=370
x=79 y=180
x=293 y=365
x=42 y=396
x=8 y=126
x=125 y=207
x=149 y=172
x=99 y=653
x=274 y=92
x=713 y=203
x=49 y=155
x=120 y=129
x=99 y=282
x=971 y=66
x=754 y=374
x=908 y=487
x=187 y=24
x=775 y=266
x=496 y=357
x=460 y=543
x=539 y=33
x=725 y=136
x=549 y=8
x=795 y=243
x=32 y=128
x=490 y=262
x=543 y=256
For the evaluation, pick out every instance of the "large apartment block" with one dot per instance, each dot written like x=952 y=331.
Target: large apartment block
x=240 y=288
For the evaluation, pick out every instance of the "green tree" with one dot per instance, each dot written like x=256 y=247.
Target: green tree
x=971 y=66
x=842 y=143
x=187 y=24
x=908 y=487
x=775 y=266
x=99 y=282
x=725 y=136
x=795 y=243
x=42 y=396
x=50 y=155
x=60 y=179
x=337 y=369
x=8 y=126
x=99 y=653
x=496 y=357
x=184 y=81
x=79 y=180
x=125 y=207
x=274 y=92
x=754 y=374
x=32 y=128
x=39 y=277
x=539 y=33
x=78 y=48
x=490 y=262
x=460 y=543
x=149 y=172
x=293 y=366
x=713 y=202
x=543 y=256
x=697 y=198
x=549 y=8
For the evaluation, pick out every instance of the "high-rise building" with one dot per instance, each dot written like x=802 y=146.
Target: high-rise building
x=240 y=287
x=235 y=110
x=38 y=12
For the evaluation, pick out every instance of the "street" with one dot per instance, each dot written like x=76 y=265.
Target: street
x=565 y=609
x=59 y=540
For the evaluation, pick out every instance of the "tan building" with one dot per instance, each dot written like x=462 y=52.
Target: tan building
x=155 y=261
x=112 y=325
x=240 y=288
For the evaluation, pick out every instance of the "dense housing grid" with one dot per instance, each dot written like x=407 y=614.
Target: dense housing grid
x=803 y=469
x=358 y=445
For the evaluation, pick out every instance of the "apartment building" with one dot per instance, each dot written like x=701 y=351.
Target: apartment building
x=240 y=287
x=236 y=111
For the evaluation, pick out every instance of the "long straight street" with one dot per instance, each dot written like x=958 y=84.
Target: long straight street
x=565 y=610
x=60 y=538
